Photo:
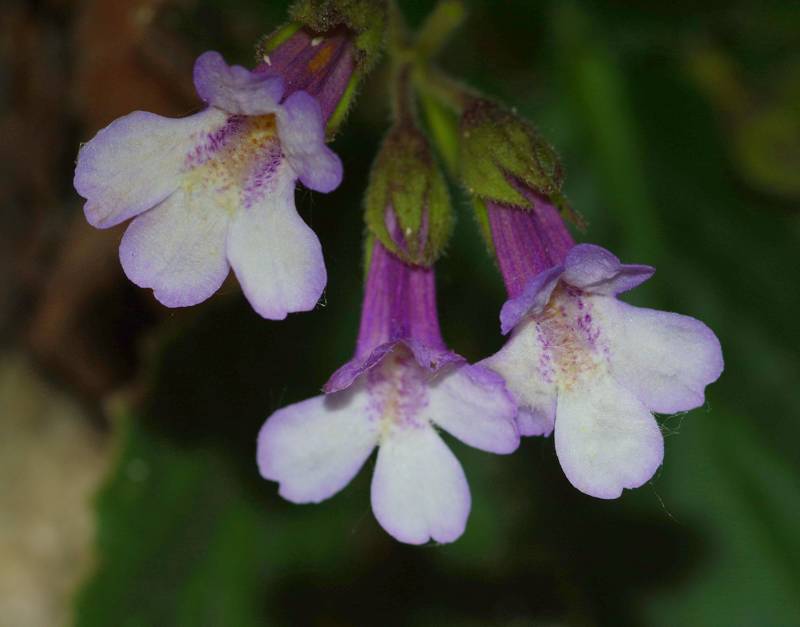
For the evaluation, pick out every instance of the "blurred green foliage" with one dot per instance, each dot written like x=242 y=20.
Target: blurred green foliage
x=189 y=534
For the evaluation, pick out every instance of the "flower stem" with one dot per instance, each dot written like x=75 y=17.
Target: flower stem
x=438 y=27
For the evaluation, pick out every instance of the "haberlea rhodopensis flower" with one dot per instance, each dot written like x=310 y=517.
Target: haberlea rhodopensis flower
x=403 y=383
x=215 y=190
x=579 y=362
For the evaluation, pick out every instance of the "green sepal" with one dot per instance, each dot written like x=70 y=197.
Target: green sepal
x=407 y=184
x=366 y=18
x=496 y=146
x=268 y=43
x=343 y=107
x=482 y=217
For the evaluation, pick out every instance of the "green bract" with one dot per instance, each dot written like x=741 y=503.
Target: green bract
x=497 y=146
x=407 y=202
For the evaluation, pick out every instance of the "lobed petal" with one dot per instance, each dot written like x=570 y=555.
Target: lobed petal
x=302 y=133
x=136 y=162
x=472 y=403
x=275 y=255
x=664 y=358
x=594 y=269
x=606 y=439
x=526 y=366
x=532 y=300
x=419 y=491
x=235 y=89
x=178 y=249
x=430 y=358
x=314 y=448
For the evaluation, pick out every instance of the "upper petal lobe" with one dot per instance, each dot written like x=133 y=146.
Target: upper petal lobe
x=302 y=132
x=595 y=270
x=235 y=89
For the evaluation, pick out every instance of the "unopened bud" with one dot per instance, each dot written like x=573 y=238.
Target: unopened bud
x=366 y=19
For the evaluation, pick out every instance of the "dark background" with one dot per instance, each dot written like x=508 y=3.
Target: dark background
x=129 y=494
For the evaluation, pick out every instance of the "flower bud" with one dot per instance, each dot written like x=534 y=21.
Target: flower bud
x=407 y=202
x=327 y=48
x=366 y=19
x=501 y=152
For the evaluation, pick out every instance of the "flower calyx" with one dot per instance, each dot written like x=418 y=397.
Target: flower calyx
x=407 y=204
x=500 y=151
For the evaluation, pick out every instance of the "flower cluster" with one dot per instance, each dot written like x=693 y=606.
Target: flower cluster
x=215 y=191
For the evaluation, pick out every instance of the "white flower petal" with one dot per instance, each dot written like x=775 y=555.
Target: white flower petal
x=528 y=372
x=136 y=162
x=419 y=491
x=275 y=255
x=664 y=358
x=314 y=448
x=471 y=403
x=178 y=249
x=606 y=439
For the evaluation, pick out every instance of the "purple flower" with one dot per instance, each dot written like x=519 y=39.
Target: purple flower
x=585 y=364
x=215 y=190
x=402 y=383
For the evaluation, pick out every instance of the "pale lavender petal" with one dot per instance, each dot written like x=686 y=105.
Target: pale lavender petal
x=666 y=359
x=235 y=89
x=471 y=403
x=419 y=491
x=532 y=300
x=528 y=370
x=606 y=439
x=430 y=358
x=302 y=133
x=350 y=371
x=593 y=269
x=136 y=162
x=314 y=448
x=178 y=248
x=275 y=255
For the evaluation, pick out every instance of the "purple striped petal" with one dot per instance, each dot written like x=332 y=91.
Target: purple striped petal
x=275 y=255
x=528 y=370
x=136 y=162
